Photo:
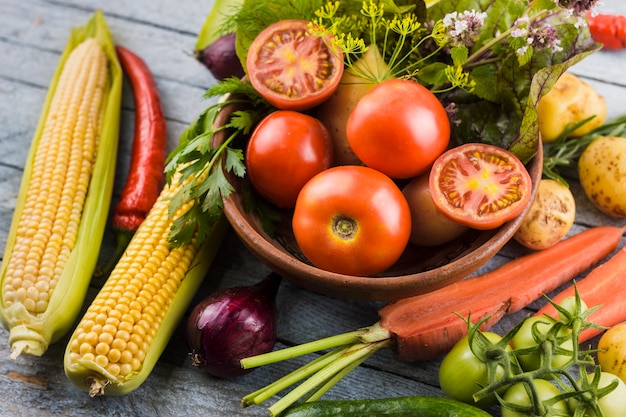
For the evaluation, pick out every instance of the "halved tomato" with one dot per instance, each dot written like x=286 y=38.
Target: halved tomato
x=480 y=185
x=291 y=68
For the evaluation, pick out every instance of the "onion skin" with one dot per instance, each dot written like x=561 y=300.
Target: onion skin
x=231 y=324
x=220 y=58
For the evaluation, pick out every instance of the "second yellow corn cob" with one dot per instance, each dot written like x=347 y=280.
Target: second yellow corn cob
x=53 y=244
x=127 y=326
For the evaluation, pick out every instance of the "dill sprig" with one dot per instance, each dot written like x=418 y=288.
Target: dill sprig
x=396 y=31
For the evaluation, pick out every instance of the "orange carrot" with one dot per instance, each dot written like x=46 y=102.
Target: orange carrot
x=602 y=287
x=427 y=326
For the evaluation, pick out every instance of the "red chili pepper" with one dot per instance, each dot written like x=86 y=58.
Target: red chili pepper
x=608 y=29
x=145 y=176
x=146 y=173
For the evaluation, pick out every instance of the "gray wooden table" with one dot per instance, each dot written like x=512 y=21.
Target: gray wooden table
x=32 y=36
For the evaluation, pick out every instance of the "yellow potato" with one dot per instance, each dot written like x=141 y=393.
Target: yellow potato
x=570 y=101
x=550 y=217
x=612 y=351
x=602 y=172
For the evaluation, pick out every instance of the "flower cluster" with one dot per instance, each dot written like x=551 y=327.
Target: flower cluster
x=463 y=28
x=578 y=7
x=530 y=36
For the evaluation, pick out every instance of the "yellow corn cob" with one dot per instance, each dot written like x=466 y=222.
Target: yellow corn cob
x=65 y=192
x=129 y=323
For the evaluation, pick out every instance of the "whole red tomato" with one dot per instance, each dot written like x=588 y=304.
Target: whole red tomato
x=292 y=68
x=398 y=128
x=285 y=150
x=352 y=220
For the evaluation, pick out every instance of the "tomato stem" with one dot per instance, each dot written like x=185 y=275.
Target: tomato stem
x=345 y=227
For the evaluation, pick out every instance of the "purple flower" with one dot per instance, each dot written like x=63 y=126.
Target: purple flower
x=545 y=36
x=579 y=7
x=536 y=35
x=463 y=27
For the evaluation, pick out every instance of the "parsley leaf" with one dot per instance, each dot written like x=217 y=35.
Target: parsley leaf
x=200 y=166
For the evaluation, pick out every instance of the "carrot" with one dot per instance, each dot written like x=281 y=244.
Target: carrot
x=427 y=326
x=601 y=287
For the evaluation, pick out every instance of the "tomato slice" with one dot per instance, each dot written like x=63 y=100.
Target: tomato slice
x=291 y=68
x=480 y=185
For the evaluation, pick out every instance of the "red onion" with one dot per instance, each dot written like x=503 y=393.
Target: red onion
x=231 y=324
x=220 y=57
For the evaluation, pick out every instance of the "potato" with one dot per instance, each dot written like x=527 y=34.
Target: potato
x=612 y=350
x=428 y=226
x=334 y=112
x=570 y=101
x=550 y=217
x=602 y=172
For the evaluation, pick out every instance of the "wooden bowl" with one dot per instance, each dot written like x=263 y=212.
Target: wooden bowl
x=419 y=269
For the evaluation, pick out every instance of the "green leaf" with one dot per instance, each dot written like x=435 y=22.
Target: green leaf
x=459 y=55
x=202 y=179
x=433 y=74
x=234 y=162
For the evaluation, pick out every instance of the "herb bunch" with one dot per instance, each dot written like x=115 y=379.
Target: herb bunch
x=202 y=166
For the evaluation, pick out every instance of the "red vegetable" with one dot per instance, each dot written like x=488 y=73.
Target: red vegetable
x=398 y=128
x=144 y=180
x=292 y=68
x=480 y=185
x=352 y=220
x=233 y=323
x=145 y=177
x=221 y=59
x=285 y=150
x=608 y=29
x=601 y=287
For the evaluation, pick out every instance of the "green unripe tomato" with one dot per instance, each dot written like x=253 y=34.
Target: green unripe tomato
x=613 y=404
x=462 y=374
x=518 y=395
x=524 y=339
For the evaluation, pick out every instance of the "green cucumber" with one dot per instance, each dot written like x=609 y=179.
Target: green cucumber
x=422 y=406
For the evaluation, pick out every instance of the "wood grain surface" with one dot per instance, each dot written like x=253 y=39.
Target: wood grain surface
x=32 y=35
